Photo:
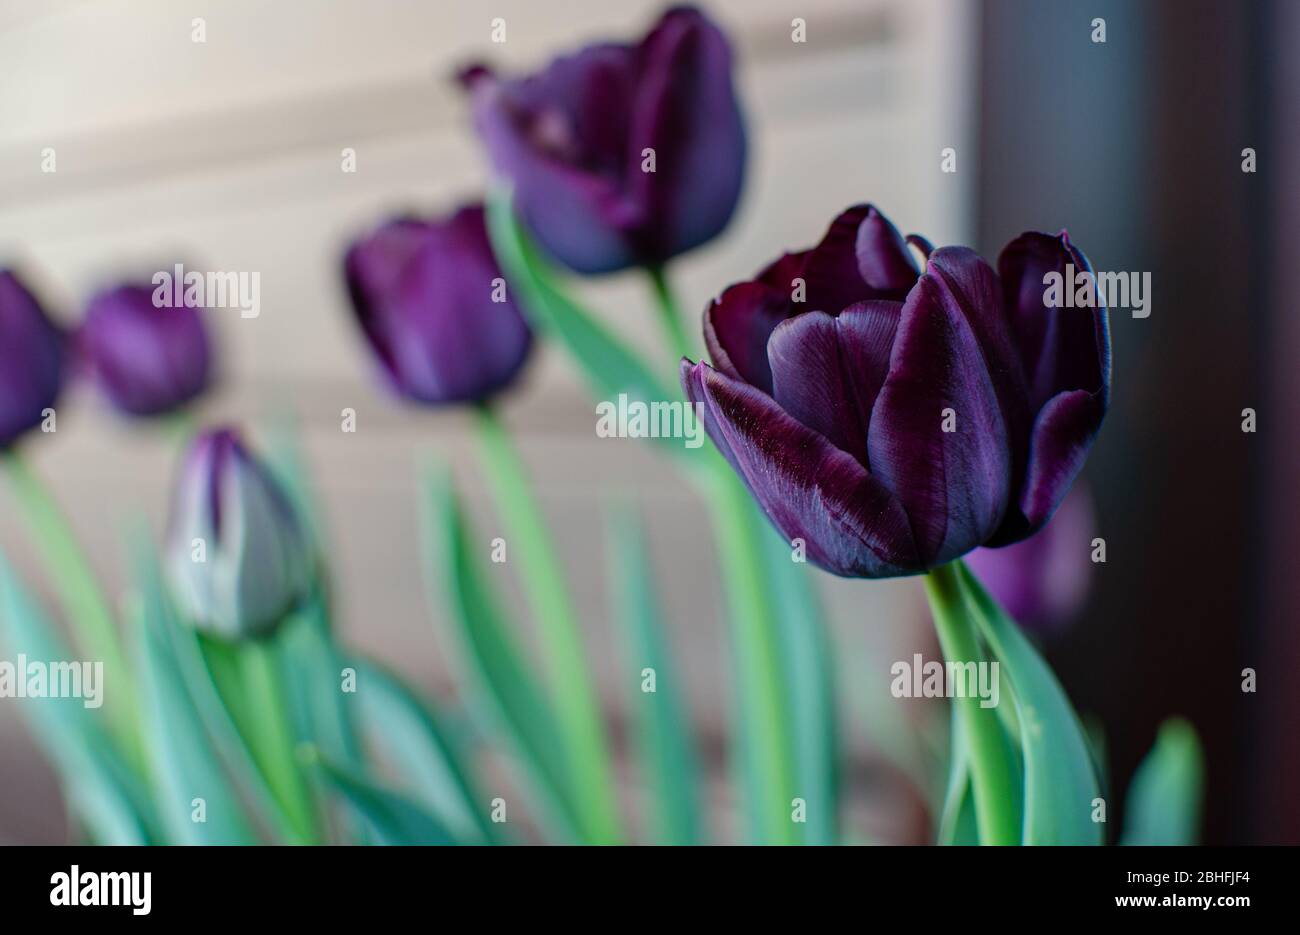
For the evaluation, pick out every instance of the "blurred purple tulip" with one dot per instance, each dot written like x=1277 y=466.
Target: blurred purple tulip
x=574 y=141
x=146 y=359
x=238 y=554
x=432 y=302
x=32 y=357
x=895 y=419
x=1042 y=581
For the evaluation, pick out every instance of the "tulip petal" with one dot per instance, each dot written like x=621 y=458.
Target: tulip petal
x=969 y=286
x=781 y=273
x=31 y=360
x=582 y=218
x=953 y=484
x=861 y=257
x=737 y=326
x=831 y=270
x=1063 y=348
x=1063 y=433
x=852 y=525
x=884 y=261
x=686 y=112
x=827 y=370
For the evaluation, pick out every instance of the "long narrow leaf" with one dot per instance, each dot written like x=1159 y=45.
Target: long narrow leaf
x=1164 y=799
x=609 y=366
x=663 y=726
x=197 y=803
x=395 y=820
x=1060 y=786
x=809 y=678
x=411 y=737
x=221 y=725
x=109 y=798
x=320 y=711
x=504 y=689
x=957 y=821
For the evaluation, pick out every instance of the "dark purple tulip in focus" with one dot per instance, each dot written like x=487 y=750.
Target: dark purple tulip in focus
x=834 y=410
x=146 y=359
x=1042 y=581
x=31 y=360
x=573 y=141
x=432 y=302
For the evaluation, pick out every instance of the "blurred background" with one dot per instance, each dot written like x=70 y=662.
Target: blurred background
x=226 y=155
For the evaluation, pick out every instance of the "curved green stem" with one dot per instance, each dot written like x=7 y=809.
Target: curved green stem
x=83 y=601
x=990 y=761
x=577 y=703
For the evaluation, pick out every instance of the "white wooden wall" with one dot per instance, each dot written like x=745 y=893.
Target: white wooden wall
x=228 y=152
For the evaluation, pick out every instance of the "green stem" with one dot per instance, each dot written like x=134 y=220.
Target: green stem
x=578 y=706
x=669 y=314
x=83 y=601
x=755 y=640
x=764 y=688
x=990 y=764
x=222 y=719
x=272 y=737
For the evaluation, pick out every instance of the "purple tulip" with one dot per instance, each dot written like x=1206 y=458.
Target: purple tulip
x=896 y=419
x=238 y=554
x=1042 y=581
x=31 y=360
x=574 y=141
x=146 y=359
x=432 y=302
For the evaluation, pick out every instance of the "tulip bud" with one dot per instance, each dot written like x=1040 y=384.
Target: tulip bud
x=146 y=359
x=432 y=302
x=239 y=556
x=31 y=360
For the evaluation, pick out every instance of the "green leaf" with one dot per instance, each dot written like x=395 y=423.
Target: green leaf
x=667 y=755
x=425 y=755
x=957 y=825
x=763 y=750
x=609 y=366
x=503 y=687
x=107 y=796
x=569 y=677
x=194 y=659
x=810 y=684
x=320 y=711
x=187 y=771
x=1060 y=785
x=395 y=820
x=86 y=610
x=1164 y=799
